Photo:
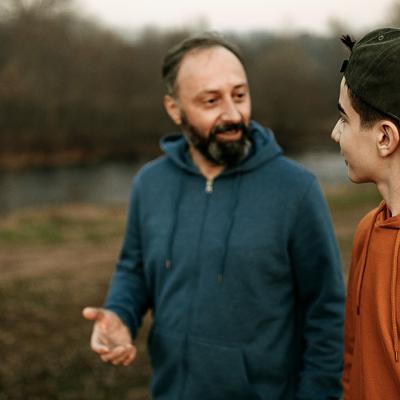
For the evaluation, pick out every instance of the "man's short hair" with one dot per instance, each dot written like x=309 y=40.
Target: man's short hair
x=175 y=55
x=372 y=75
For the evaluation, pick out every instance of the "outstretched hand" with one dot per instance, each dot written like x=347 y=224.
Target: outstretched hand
x=110 y=337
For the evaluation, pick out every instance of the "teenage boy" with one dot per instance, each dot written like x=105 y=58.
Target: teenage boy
x=368 y=133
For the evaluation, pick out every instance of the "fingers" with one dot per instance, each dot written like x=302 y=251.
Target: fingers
x=121 y=355
x=129 y=359
x=92 y=313
x=97 y=344
x=110 y=337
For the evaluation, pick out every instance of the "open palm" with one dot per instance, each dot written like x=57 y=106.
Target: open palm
x=110 y=337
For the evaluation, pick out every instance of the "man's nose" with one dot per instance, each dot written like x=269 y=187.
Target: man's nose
x=230 y=112
x=335 y=135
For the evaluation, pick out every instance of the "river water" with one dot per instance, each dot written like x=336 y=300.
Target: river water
x=110 y=183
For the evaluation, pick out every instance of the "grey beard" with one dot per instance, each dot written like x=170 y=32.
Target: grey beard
x=228 y=154
x=220 y=153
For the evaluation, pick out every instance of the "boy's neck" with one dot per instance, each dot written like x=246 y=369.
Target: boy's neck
x=390 y=192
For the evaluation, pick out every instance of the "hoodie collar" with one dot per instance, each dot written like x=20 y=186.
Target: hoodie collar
x=384 y=218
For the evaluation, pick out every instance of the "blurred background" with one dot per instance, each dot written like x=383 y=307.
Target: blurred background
x=81 y=111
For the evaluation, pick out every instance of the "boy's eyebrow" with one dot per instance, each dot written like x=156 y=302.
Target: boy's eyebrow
x=341 y=109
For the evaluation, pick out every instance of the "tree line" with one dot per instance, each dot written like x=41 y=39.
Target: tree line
x=71 y=86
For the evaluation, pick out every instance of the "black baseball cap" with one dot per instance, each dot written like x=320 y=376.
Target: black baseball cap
x=373 y=70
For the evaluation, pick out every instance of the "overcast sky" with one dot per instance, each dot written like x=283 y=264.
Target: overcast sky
x=240 y=15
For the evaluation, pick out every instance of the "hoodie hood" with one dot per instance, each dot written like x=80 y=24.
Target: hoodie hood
x=385 y=220
x=264 y=148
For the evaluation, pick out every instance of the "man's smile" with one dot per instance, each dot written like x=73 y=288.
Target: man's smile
x=229 y=136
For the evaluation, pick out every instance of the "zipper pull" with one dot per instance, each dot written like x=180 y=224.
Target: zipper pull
x=209 y=185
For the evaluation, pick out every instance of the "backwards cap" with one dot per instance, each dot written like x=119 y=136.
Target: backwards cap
x=373 y=70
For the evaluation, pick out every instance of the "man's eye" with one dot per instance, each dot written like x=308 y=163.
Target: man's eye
x=240 y=96
x=342 y=120
x=210 y=101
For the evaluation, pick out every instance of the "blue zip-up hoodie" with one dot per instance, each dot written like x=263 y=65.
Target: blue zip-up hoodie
x=242 y=274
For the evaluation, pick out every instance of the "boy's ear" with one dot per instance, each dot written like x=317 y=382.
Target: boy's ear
x=172 y=108
x=388 y=139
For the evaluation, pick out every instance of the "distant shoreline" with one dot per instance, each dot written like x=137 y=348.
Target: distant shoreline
x=64 y=159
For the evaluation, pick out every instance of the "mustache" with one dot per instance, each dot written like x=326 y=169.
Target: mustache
x=228 y=127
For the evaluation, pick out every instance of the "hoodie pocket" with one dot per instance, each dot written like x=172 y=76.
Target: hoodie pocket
x=216 y=373
x=166 y=359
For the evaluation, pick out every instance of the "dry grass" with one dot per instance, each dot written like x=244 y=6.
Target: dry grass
x=46 y=278
x=54 y=262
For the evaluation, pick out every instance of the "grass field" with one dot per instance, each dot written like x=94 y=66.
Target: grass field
x=55 y=261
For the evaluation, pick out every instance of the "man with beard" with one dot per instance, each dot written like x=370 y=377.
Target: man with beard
x=230 y=245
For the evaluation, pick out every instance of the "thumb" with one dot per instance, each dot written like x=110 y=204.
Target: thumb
x=92 y=313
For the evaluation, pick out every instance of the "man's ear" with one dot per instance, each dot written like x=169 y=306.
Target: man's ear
x=388 y=138
x=172 y=108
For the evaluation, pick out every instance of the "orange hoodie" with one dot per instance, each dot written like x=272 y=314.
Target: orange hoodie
x=371 y=361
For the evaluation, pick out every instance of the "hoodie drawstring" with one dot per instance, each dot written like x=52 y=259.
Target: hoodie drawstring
x=168 y=259
x=364 y=260
x=171 y=236
x=393 y=297
x=235 y=203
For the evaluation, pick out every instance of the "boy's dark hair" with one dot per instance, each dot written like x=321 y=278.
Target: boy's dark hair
x=175 y=55
x=369 y=114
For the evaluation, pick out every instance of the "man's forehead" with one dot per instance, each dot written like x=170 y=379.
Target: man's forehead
x=209 y=69
x=201 y=62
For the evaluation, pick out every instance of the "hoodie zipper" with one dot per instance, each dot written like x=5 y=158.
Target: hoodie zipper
x=195 y=280
x=209 y=185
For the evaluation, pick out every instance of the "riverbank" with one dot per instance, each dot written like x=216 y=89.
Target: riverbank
x=26 y=160
x=109 y=183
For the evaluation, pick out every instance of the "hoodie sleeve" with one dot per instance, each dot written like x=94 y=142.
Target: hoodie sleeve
x=319 y=282
x=128 y=295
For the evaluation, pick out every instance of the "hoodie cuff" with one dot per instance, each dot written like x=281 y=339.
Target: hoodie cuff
x=126 y=318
